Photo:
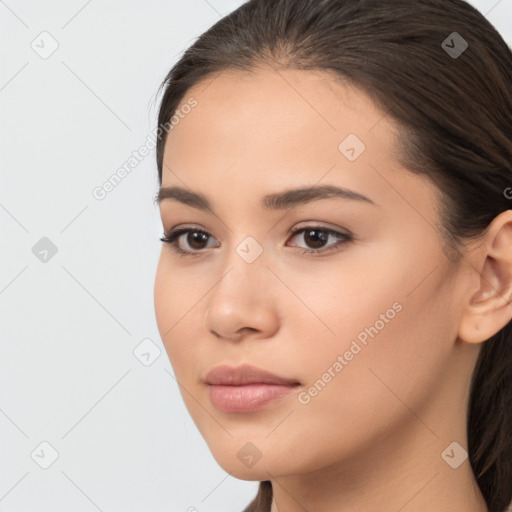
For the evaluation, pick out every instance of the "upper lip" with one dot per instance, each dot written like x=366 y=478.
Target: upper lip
x=244 y=374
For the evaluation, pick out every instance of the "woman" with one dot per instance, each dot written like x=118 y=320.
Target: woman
x=334 y=290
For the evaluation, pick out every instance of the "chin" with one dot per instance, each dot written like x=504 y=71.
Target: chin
x=244 y=461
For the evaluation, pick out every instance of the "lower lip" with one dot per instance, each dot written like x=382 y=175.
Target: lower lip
x=247 y=398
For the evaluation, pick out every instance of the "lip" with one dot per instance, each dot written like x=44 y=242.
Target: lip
x=246 y=388
x=225 y=375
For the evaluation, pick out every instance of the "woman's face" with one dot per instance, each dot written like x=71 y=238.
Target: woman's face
x=366 y=325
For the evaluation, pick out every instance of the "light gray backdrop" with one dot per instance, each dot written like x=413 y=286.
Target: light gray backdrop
x=91 y=417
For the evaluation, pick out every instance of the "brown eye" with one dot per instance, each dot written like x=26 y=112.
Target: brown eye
x=195 y=240
x=316 y=237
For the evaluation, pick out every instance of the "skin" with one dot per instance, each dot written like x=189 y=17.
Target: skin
x=373 y=436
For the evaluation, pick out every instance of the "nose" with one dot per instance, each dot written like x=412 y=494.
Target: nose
x=244 y=302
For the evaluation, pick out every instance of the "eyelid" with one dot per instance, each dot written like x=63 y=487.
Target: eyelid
x=312 y=224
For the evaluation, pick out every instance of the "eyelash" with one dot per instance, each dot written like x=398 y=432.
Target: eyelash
x=172 y=237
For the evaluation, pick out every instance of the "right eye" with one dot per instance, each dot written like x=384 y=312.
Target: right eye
x=195 y=239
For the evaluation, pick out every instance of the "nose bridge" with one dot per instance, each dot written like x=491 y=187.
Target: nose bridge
x=244 y=268
x=242 y=297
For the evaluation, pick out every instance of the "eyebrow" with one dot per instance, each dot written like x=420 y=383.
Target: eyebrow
x=275 y=201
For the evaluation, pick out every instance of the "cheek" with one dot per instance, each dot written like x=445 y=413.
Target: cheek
x=391 y=346
x=174 y=295
x=169 y=312
x=161 y=298
x=177 y=314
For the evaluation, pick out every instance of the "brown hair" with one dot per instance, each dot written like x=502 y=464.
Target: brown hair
x=454 y=107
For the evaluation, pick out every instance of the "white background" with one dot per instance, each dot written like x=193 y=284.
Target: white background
x=68 y=374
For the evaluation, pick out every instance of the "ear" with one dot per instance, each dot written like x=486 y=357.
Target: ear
x=489 y=308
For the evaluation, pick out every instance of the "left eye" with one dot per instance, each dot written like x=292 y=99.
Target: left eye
x=316 y=236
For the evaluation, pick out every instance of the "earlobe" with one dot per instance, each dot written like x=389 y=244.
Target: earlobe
x=489 y=308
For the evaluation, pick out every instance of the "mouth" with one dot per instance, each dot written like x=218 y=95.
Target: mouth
x=247 y=397
x=246 y=388
x=244 y=374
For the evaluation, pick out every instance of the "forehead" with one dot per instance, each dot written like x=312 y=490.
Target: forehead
x=262 y=131
x=279 y=108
